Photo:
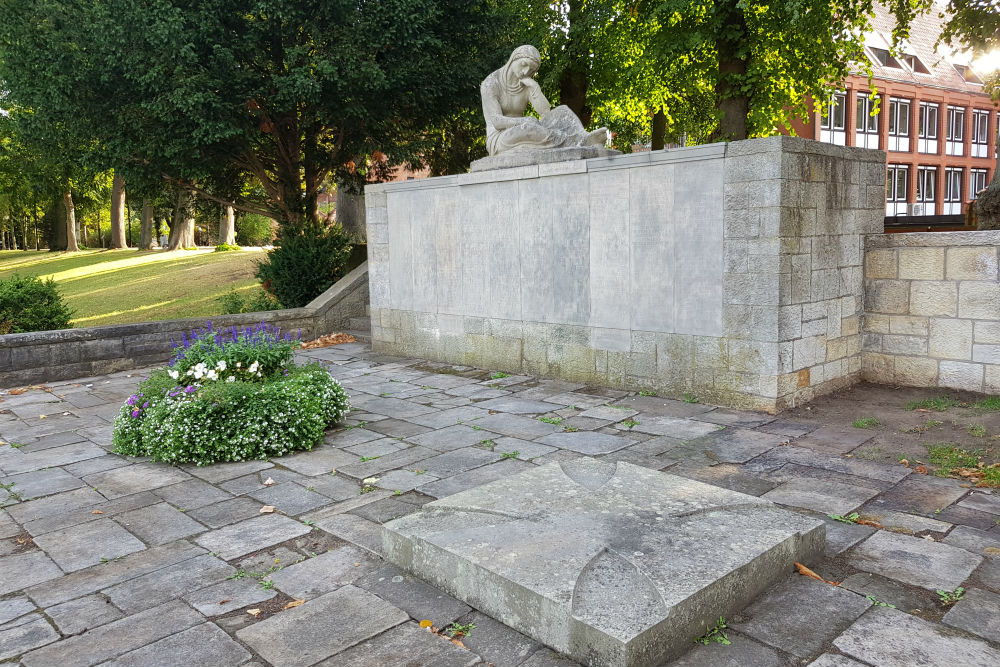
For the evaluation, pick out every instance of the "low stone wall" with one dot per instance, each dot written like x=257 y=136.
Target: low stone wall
x=46 y=356
x=729 y=271
x=932 y=310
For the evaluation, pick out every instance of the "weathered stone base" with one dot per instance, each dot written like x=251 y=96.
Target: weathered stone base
x=525 y=158
x=634 y=563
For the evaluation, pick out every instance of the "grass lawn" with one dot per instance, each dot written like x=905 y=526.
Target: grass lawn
x=122 y=286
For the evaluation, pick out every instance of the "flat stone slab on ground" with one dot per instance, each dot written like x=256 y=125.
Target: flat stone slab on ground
x=204 y=644
x=87 y=544
x=81 y=614
x=251 y=535
x=834 y=440
x=634 y=546
x=406 y=644
x=915 y=561
x=821 y=495
x=979 y=613
x=160 y=523
x=26 y=636
x=888 y=637
x=587 y=442
x=135 y=478
x=26 y=569
x=740 y=652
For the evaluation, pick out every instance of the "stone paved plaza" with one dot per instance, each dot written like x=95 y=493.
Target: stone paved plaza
x=111 y=561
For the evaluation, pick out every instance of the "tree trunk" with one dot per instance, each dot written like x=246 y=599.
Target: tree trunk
x=182 y=227
x=574 y=80
x=351 y=212
x=659 y=130
x=227 y=226
x=34 y=217
x=733 y=105
x=118 y=212
x=146 y=226
x=71 y=245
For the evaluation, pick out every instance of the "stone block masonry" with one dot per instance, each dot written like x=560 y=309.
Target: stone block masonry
x=733 y=272
x=932 y=310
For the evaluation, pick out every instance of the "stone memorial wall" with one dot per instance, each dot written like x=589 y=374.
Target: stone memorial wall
x=729 y=271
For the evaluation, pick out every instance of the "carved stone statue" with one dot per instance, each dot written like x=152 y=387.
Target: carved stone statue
x=514 y=139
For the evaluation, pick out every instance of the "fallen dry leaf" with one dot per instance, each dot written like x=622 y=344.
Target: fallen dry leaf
x=426 y=624
x=992 y=551
x=41 y=416
x=806 y=572
x=294 y=603
x=22 y=541
x=920 y=470
x=97 y=512
x=904 y=462
x=269 y=482
x=929 y=538
x=328 y=340
x=267 y=509
x=254 y=612
x=869 y=522
x=225 y=601
x=18 y=391
x=922 y=410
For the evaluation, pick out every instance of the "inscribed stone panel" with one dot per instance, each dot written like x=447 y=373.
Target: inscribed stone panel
x=609 y=249
x=698 y=252
x=652 y=268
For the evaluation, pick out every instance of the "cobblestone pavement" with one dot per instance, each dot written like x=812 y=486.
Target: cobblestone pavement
x=111 y=561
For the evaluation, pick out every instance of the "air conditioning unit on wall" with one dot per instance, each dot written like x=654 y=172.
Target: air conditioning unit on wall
x=916 y=209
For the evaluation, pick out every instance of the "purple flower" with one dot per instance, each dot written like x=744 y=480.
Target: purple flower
x=135 y=413
x=190 y=389
x=145 y=405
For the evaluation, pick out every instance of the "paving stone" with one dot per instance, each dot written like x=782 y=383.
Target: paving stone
x=842 y=536
x=192 y=494
x=290 y=498
x=228 y=595
x=116 y=638
x=450 y=417
x=460 y=460
x=474 y=477
x=243 y=485
x=55 y=440
x=395 y=408
x=324 y=573
x=416 y=598
x=890 y=591
x=978 y=612
x=402 y=480
x=84 y=613
x=81 y=546
x=577 y=399
x=42 y=482
x=397 y=428
x=656 y=446
x=791 y=471
x=135 y=478
x=982 y=502
x=204 y=644
x=220 y=472
x=526 y=450
x=159 y=524
x=226 y=512
x=8 y=527
x=385 y=510
x=735 y=445
x=336 y=621
x=15 y=607
x=496 y=643
x=54 y=505
x=741 y=652
x=855 y=467
x=104 y=575
x=626 y=539
x=51 y=458
x=972 y=539
x=98 y=464
x=345 y=438
x=966 y=517
x=834 y=439
x=320 y=461
x=404 y=458
x=988 y=573
x=789 y=427
x=682 y=429
x=584 y=423
x=245 y=537
x=518 y=406
x=736 y=418
x=914 y=561
x=875 y=638
x=354 y=529
x=379 y=447
x=547 y=658
x=171 y=582
x=664 y=407
x=407 y=644
x=908 y=524
x=106 y=509
x=26 y=636
x=726 y=475
x=443 y=381
x=586 y=442
x=800 y=615
x=835 y=660
x=922 y=495
x=607 y=413
x=821 y=495
x=516 y=426
x=453 y=437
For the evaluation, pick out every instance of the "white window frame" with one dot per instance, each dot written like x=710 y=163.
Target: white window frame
x=927 y=189
x=952 y=190
x=895 y=196
x=831 y=131
x=927 y=131
x=899 y=124
x=977 y=181
x=980 y=133
x=955 y=131
x=866 y=133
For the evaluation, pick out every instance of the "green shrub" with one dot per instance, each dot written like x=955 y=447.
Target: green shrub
x=254 y=230
x=226 y=247
x=208 y=406
x=29 y=304
x=251 y=301
x=304 y=265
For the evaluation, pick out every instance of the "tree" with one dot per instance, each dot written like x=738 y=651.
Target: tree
x=118 y=212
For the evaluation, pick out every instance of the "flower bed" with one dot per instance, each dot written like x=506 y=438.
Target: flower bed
x=230 y=395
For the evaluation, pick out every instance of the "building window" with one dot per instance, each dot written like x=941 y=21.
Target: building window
x=955 y=132
x=977 y=181
x=915 y=64
x=884 y=58
x=928 y=131
x=895 y=189
x=980 y=133
x=833 y=124
x=899 y=125
x=867 y=125
x=952 y=190
x=926 y=192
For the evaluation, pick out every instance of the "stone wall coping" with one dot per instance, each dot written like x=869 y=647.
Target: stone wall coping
x=321 y=304
x=933 y=239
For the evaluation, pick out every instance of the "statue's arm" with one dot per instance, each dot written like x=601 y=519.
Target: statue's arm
x=493 y=113
x=536 y=97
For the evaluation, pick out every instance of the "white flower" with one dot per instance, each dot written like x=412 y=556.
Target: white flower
x=231 y=378
x=370 y=480
x=238 y=364
x=173 y=374
x=212 y=375
x=253 y=367
x=190 y=371
x=221 y=366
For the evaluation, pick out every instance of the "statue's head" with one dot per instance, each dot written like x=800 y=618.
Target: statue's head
x=524 y=61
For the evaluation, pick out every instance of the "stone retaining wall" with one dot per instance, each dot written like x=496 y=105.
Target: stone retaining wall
x=932 y=310
x=46 y=356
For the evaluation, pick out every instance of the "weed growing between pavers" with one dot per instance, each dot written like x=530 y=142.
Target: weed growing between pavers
x=952 y=461
x=716 y=634
x=866 y=422
x=230 y=395
x=938 y=404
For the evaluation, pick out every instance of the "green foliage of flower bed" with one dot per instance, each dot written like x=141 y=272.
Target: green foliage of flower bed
x=230 y=396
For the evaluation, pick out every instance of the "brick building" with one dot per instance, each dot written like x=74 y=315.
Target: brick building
x=935 y=122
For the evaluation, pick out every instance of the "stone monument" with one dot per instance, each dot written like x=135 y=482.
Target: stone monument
x=614 y=564
x=515 y=140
